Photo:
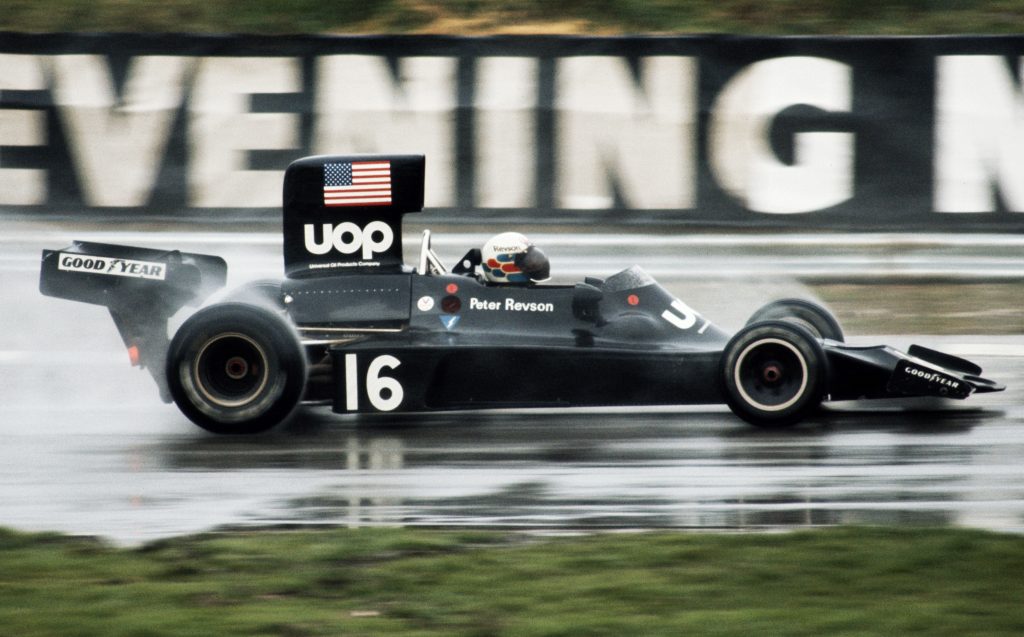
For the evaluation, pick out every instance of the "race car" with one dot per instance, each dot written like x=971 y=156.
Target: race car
x=351 y=325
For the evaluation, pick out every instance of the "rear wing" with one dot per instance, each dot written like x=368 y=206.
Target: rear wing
x=342 y=214
x=119 y=277
x=141 y=287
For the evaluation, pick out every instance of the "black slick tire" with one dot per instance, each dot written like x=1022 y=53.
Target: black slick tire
x=774 y=373
x=235 y=368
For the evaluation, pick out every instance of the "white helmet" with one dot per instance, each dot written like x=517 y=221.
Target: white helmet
x=509 y=257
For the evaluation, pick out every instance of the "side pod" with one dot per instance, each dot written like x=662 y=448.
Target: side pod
x=141 y=287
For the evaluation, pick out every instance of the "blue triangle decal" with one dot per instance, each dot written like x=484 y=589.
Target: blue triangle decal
x=449 y=321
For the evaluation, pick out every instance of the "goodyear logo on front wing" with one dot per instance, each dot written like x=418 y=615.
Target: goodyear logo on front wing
x=918 y=380
x=111 y=266
x=931 y=377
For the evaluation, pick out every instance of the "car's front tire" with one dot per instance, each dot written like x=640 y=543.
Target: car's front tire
x=774 y=373
x=815 y=318
x=235 y=368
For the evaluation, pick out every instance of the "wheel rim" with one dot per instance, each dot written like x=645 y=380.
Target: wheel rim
x=771 y=374
x=231 y=370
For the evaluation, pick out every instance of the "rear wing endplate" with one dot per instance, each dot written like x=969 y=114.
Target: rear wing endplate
x=342 y=214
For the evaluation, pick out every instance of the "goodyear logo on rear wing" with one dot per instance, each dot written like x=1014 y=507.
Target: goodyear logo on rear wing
x=111 y=266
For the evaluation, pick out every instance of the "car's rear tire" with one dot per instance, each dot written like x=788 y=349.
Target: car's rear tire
x=235 y=368
x=774 y=373
x=815 y=318
x=263 y=292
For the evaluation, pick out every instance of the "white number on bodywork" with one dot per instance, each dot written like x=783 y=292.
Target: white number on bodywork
x=683 y=317
x=383 y=392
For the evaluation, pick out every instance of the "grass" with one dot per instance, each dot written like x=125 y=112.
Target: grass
x=847 y=581
x=519 y=16
x=926 y=308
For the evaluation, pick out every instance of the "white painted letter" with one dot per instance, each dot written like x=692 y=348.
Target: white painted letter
x=614 y=131
x=979 y=134
x=21 y=186
x=506 y=149
x=739 y=137
x=221 y=129
x=362 y=108
x=118 y=143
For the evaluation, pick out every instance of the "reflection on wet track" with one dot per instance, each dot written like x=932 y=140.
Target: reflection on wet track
x=88 y=448
x=140 y=471
x=648 y=470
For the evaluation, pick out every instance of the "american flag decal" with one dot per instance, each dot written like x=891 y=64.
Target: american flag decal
x=357 y=183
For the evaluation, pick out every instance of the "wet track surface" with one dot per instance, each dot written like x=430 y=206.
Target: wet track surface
x=88 y=448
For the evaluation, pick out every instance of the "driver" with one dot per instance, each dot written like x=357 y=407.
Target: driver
x=509 y=257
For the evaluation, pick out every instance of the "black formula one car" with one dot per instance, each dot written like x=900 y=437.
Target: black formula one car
x=352 y=325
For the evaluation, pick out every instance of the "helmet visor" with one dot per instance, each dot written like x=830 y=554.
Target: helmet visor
x=534 y=264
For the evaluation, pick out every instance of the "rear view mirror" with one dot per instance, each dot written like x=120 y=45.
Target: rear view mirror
x=586 y=301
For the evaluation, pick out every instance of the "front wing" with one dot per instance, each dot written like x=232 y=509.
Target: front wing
x=885 y=372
